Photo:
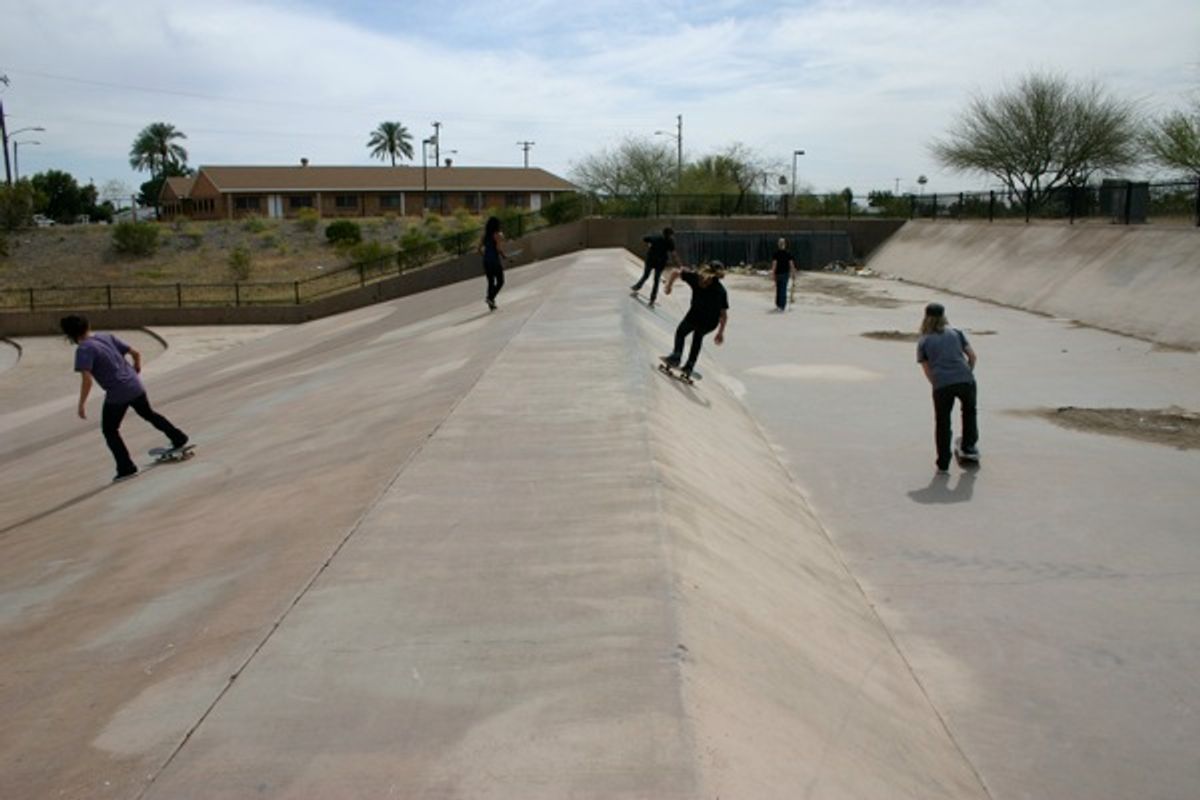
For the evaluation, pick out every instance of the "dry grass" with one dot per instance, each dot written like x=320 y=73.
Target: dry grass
x=188 y=253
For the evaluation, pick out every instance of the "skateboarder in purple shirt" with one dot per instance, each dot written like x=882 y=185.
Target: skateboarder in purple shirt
x=100 y=358
x=948 y=361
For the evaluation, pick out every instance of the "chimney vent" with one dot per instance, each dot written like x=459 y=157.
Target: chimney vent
x=304 y=162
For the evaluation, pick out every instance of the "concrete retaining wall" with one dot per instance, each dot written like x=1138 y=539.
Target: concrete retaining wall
x=1144 y=282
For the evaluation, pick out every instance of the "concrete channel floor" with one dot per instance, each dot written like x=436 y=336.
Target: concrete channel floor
x=429 y=552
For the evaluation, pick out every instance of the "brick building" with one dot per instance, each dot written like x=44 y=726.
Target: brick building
x=281 y=192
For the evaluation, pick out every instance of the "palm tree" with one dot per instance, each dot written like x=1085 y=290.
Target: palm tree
x=390 y=139
x=154 y=148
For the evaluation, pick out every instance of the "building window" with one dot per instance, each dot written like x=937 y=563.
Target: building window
x=516 y=200
x=300 y=201
x=471 y=202
x=433 y=201
x=389 y=201
x=346 y=201
x=246 y=203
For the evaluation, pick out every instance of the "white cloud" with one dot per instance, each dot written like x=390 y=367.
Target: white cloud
x=861 y=86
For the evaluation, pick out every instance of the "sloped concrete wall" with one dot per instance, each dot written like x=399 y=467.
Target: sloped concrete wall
x=1144 y=282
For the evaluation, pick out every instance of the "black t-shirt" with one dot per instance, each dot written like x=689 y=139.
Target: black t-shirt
x=660 y=246
x=707 y=301
x=782 y=267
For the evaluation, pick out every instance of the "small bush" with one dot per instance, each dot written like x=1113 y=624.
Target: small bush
x=135 y=238
x=370 y=251
x=190 y=237
x=564 y=209
x=253 y=224
x=416 y=247
x=240 y=263
x=343 y=232
x=307 y=219
x=268 y=241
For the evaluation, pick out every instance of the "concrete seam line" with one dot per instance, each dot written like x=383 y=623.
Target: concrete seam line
x=664 y=536
x=837 y=552
x=353 y=528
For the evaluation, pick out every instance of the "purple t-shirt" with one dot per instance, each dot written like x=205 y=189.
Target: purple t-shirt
x=103 y=355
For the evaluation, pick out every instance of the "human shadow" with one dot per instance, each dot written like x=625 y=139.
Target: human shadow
x=939 y=490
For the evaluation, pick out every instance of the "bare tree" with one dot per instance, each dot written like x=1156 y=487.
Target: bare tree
x=637 y=167
x=1173 y=141
x=1044 y=134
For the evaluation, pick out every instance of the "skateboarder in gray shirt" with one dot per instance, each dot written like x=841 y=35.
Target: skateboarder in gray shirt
x=949 y=364
x=100 y=358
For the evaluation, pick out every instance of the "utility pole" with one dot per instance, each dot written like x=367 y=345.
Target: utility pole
x=678 y=152
x=525 y=146
x=4 y=136
x=437 y=142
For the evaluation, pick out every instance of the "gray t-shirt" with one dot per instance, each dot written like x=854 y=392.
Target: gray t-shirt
x=946 y=354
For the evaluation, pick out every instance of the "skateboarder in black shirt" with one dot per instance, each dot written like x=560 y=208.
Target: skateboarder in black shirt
x=661 y=249
x=708 y=312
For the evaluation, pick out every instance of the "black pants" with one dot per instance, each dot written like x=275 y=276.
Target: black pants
x=657 y=271
x=781 y=284
x=699 y=329
x=110 y=425
x=943 y=404
x=495 y=281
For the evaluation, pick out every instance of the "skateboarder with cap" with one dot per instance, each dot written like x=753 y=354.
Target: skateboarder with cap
x=708 y=312
x=101 y=358
x=948 y=361
x=661 y=249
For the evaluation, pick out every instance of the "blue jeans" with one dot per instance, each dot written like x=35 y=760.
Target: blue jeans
x=657 y=271
x=781 y=287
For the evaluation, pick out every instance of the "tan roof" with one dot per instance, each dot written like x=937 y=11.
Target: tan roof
x=180 y=187
x=384 y=179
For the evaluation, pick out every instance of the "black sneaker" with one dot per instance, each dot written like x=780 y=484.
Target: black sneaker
x=124 y=476
x=180 y=444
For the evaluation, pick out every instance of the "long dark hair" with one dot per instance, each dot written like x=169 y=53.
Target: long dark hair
x=490 y=229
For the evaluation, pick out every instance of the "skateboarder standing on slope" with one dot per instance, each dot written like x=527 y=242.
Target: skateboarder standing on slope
x=100 y=357
x=661 y=248
x=708 y=312
x=492 y=249
x=949 y=364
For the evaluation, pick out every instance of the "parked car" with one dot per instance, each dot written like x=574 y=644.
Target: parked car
x=42 y=221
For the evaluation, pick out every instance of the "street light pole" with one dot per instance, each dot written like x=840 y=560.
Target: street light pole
x=437 y=142
x=17 y=157
x=795 y=153
x=525 y=146
x=424 y=176
x=678 y=137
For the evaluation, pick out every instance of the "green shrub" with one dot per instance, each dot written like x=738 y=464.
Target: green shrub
x=416 y=247
x=564 y=209
x=268 y=241
x=240 y=263
x=254 y=224
x=16 y=205
x=190 y=237
x=135 y=238
x=343 y=232
x=370 y=251
x=435 y=226
x=307 y=219
x=3 y=245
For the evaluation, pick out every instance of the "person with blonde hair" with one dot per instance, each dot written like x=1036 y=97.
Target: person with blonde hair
x=948 y=361
x=708 y=312
x=782 y=267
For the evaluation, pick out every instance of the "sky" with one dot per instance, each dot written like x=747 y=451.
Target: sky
x=861 y=86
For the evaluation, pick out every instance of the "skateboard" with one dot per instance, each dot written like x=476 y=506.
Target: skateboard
x=163 y=455
x=677 y=374
x=965 y=459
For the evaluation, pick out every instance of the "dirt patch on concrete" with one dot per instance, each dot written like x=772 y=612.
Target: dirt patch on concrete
x=892 y=336
x=902 y=336
x=1174 y=426
x=848 y=291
